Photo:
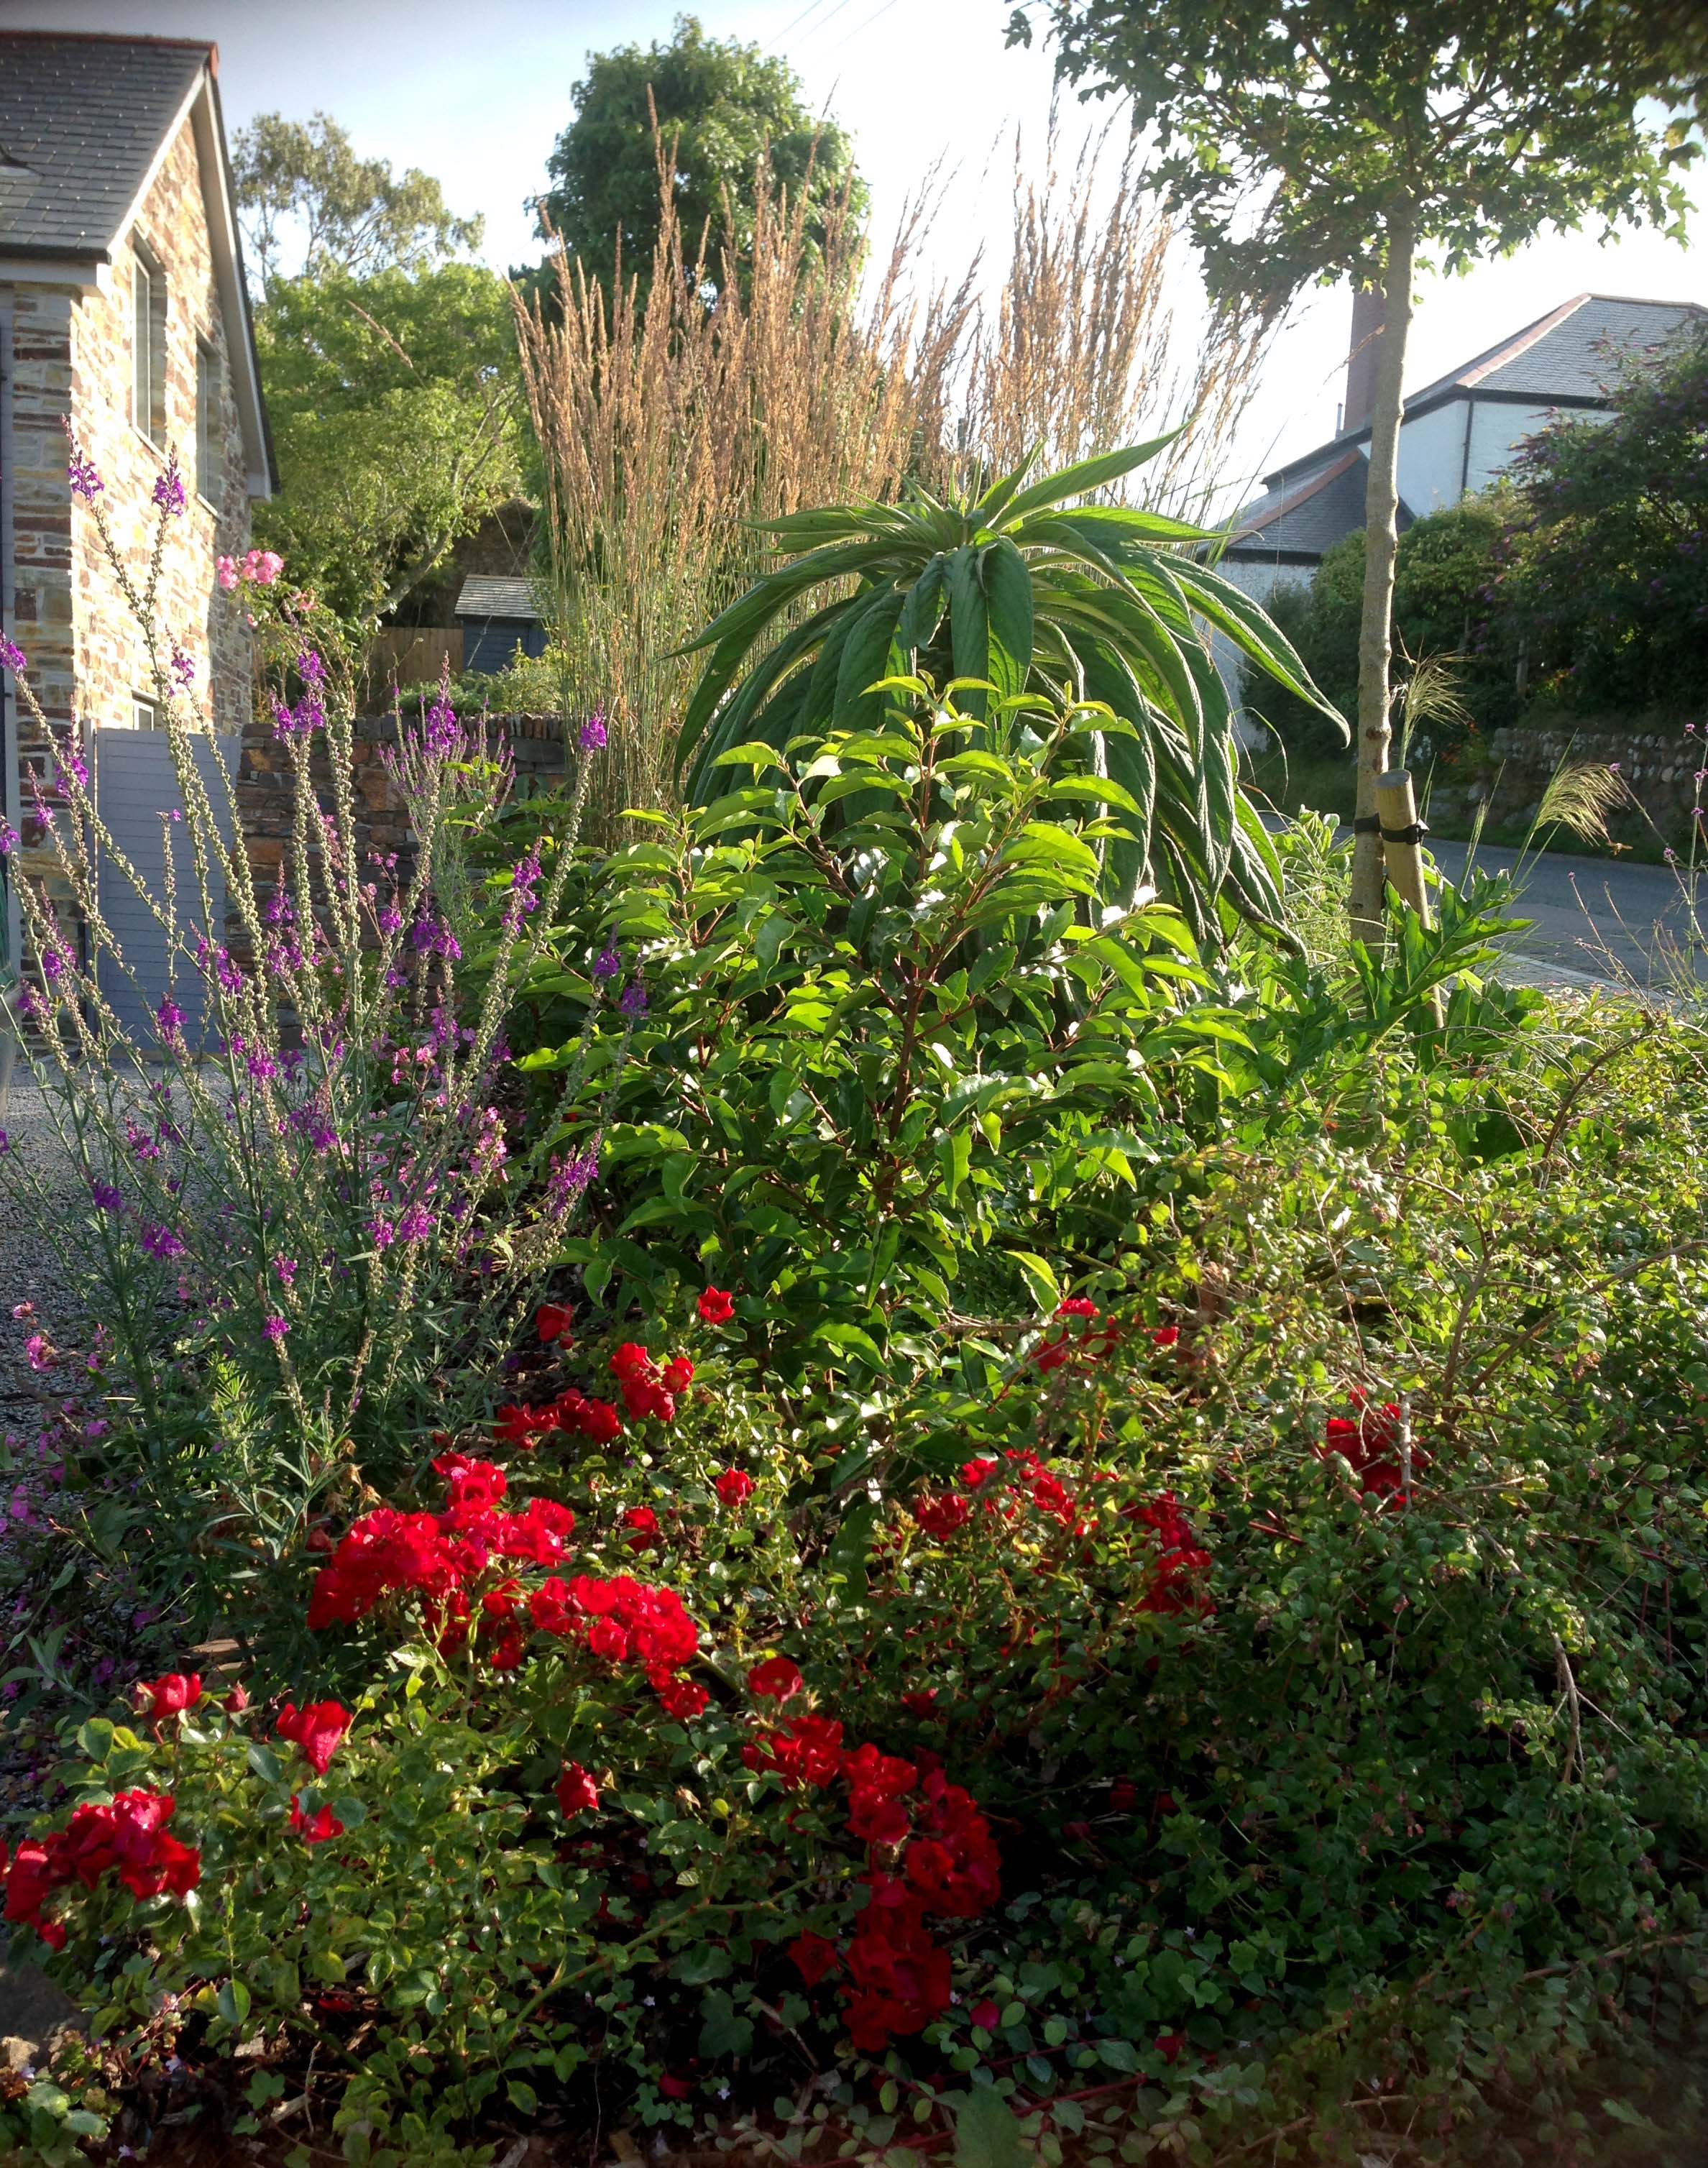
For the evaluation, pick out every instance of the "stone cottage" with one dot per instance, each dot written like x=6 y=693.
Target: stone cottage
x=122 y=312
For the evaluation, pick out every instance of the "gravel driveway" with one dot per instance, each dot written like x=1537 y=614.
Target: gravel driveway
x=29 y=1270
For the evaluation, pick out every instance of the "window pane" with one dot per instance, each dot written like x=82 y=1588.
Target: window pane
x=205 y=481
x=143 y=350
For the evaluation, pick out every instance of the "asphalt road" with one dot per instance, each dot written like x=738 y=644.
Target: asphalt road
x=1598 y=919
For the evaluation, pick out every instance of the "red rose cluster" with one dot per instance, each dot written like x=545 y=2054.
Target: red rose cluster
x=433 y=1555
x=1058 y=1349
x=941 y=1515
x=1369 y=1445
x=1170 y=1591
x=170 y=1696
x=127 y=1836
x=623 y=1622
x=647 y=1389
x=945 y=1863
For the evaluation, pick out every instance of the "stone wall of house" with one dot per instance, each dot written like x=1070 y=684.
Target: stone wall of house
x=72 y=358
x=264 y=801
x=111 y=663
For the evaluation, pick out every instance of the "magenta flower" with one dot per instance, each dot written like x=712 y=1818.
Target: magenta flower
x=591 y=737
x=84 y=477
x=169 y=489
x=13 y=657
x=274 y=1328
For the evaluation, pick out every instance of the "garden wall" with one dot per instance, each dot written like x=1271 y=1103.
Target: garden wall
x=1514 y=766
x=536 y=744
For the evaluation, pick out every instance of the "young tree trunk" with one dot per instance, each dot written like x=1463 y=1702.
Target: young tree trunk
x=1380 y=540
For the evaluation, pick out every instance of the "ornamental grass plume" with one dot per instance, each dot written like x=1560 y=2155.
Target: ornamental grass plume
x=309 y=1217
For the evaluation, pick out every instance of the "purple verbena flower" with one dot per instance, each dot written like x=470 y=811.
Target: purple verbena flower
x=416 y=1224
x=286 y=1268
x=568 y=1179
x=107 y=1199
x=591 y=736
x=607 y=964
x=170 y=1018
x=441 y=734
x=633 y=1003
x=83 y=476
x=163 y=1242
x=182 y=668
x=13 y=657
x=274 y=1328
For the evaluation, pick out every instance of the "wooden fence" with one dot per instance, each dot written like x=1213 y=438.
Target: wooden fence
x=409 y=654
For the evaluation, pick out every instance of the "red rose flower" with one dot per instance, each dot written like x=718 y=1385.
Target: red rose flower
x=734 y=1487
x=1123 y=1795
x=678 y=1697
x=716 y=1306
x=985 y=2014
x=1077 y=1306
x=236 y=1701
x=171 y=1695
x=675 y=2088
x=813 y=1957
x=678 y=1375
x=776 y=1679
x=976 y=1472
x=317 y=1729
x=552 y=1322
x=1165 y=1335
x=642 y=1525
x=941 y=1516
x=320 y=1827
x=576 y=1792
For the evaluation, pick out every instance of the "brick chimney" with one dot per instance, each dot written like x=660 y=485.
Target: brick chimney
x=1368 y=305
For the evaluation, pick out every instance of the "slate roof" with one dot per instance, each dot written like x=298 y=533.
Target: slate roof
x=1307 y=515
x=484 y=596
x=1568 y=354
x=81 y=119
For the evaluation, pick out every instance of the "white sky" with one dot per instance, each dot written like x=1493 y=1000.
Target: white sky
x=475 y=91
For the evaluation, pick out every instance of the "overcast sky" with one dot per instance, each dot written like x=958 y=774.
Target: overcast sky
x=475 y=92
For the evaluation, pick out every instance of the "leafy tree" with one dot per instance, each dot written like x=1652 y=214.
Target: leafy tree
x=1606 y=582
x=1444 y=568
x=395 y=403
x=725 y=107
x=355 y=217
x=1378 y=136
x=1016 y=591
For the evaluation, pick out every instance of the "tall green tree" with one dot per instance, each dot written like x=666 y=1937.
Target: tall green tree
x=311 y=208
x=1318 y=139
x=396 y=404
x=725 y=107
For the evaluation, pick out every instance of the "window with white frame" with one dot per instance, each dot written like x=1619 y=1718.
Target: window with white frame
x=148 y=344
x=145 y=713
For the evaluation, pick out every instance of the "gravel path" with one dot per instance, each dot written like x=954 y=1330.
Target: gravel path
x=29 y=1270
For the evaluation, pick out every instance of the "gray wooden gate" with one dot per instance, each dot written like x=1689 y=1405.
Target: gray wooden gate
x=135 y=785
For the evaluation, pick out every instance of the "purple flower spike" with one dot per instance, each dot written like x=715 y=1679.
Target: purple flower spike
x=13 y=657
x=592 y=735
x=107 y=1199
x=161 y=1242
x=85 y=480
x=168 y=490
x=274 y=1328
x=633 y=1003
x=607 y=964
x=183 y=669
x=170 y=1018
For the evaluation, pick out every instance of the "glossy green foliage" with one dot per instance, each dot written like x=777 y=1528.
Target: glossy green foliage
x=888 y=1023
x=1021 y=590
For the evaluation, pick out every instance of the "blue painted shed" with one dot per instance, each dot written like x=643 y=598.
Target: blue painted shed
x=496 y=616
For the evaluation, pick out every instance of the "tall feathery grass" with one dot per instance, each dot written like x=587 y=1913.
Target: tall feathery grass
x=677 y=412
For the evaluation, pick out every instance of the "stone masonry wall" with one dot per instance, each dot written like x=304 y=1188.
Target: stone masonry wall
x=111 y=664
x=71 y=358
x=1659 y=767
x=536 y=744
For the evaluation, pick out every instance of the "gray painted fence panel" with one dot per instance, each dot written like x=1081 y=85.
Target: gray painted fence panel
x=135 y=783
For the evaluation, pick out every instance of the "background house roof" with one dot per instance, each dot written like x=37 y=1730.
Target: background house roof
x=1569 y=353
x=482 y=595
x=81 y=121
x=1565 y=358
x=1308 y=515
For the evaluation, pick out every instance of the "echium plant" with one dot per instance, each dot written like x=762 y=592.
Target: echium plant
x=305 y=1217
